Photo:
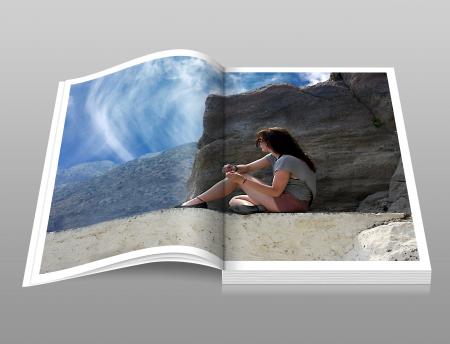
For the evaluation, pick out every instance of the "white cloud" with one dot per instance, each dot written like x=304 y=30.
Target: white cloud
x=137 y=104
x=234 y=84
x=240 y=82
x=316 y=77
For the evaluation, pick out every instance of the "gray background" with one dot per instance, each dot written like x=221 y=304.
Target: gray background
x=44 y=42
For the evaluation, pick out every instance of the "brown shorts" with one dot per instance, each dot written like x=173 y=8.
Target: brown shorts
x=288 y=203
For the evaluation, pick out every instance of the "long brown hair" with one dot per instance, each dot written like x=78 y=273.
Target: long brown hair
x=282 y=142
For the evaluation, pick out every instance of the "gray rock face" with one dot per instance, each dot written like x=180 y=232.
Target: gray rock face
x=398 y=192
x=209 y=159
x=372 y=91
x=346 y=125
x=376 y=202
x=82 y=172
x=137 y=186
x=394 y=200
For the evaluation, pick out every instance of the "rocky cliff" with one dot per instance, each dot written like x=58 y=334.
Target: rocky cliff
x=150 y=182
x=82 y=172
x=346 y=124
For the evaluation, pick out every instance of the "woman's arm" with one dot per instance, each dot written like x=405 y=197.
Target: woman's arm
x=279 y=183
x=253 y=166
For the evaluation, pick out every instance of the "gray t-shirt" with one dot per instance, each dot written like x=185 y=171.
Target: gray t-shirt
x=304 y=188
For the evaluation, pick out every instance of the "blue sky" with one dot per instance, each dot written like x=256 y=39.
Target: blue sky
x=236 y=83
x=151 y=107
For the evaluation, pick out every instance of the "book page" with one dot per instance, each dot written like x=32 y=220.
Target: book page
x=331 y=177
x=127 y=145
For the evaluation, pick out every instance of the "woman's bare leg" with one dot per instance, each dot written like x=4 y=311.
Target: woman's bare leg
x=242 y=200
x=256 y=196
x=217 y=191
x=226 y=186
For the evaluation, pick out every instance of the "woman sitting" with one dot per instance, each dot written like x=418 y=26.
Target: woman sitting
x=294 y=178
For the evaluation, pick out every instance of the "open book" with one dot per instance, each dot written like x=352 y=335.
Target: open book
x=272 y=175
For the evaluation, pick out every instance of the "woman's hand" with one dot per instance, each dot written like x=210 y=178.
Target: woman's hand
x=235 y=177
x=228 y=168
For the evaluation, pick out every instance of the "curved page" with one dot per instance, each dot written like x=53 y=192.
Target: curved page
x=120 y=159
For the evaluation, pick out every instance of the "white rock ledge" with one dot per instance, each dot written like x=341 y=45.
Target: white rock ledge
x=201 y=228
x=320 y=236
x=262 y=236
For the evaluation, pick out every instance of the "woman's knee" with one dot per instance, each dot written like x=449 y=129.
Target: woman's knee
x=233 y=200
x=228 y=180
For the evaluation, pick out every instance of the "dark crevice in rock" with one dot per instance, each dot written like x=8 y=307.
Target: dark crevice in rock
x=358 y=99
x=313 y=95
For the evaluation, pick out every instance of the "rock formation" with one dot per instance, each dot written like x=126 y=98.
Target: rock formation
x=198 y=228
x=320 y=236
x=82 y=172
x=150 y=182
x=393 y=200
x=346 y=125
x=275 y=236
